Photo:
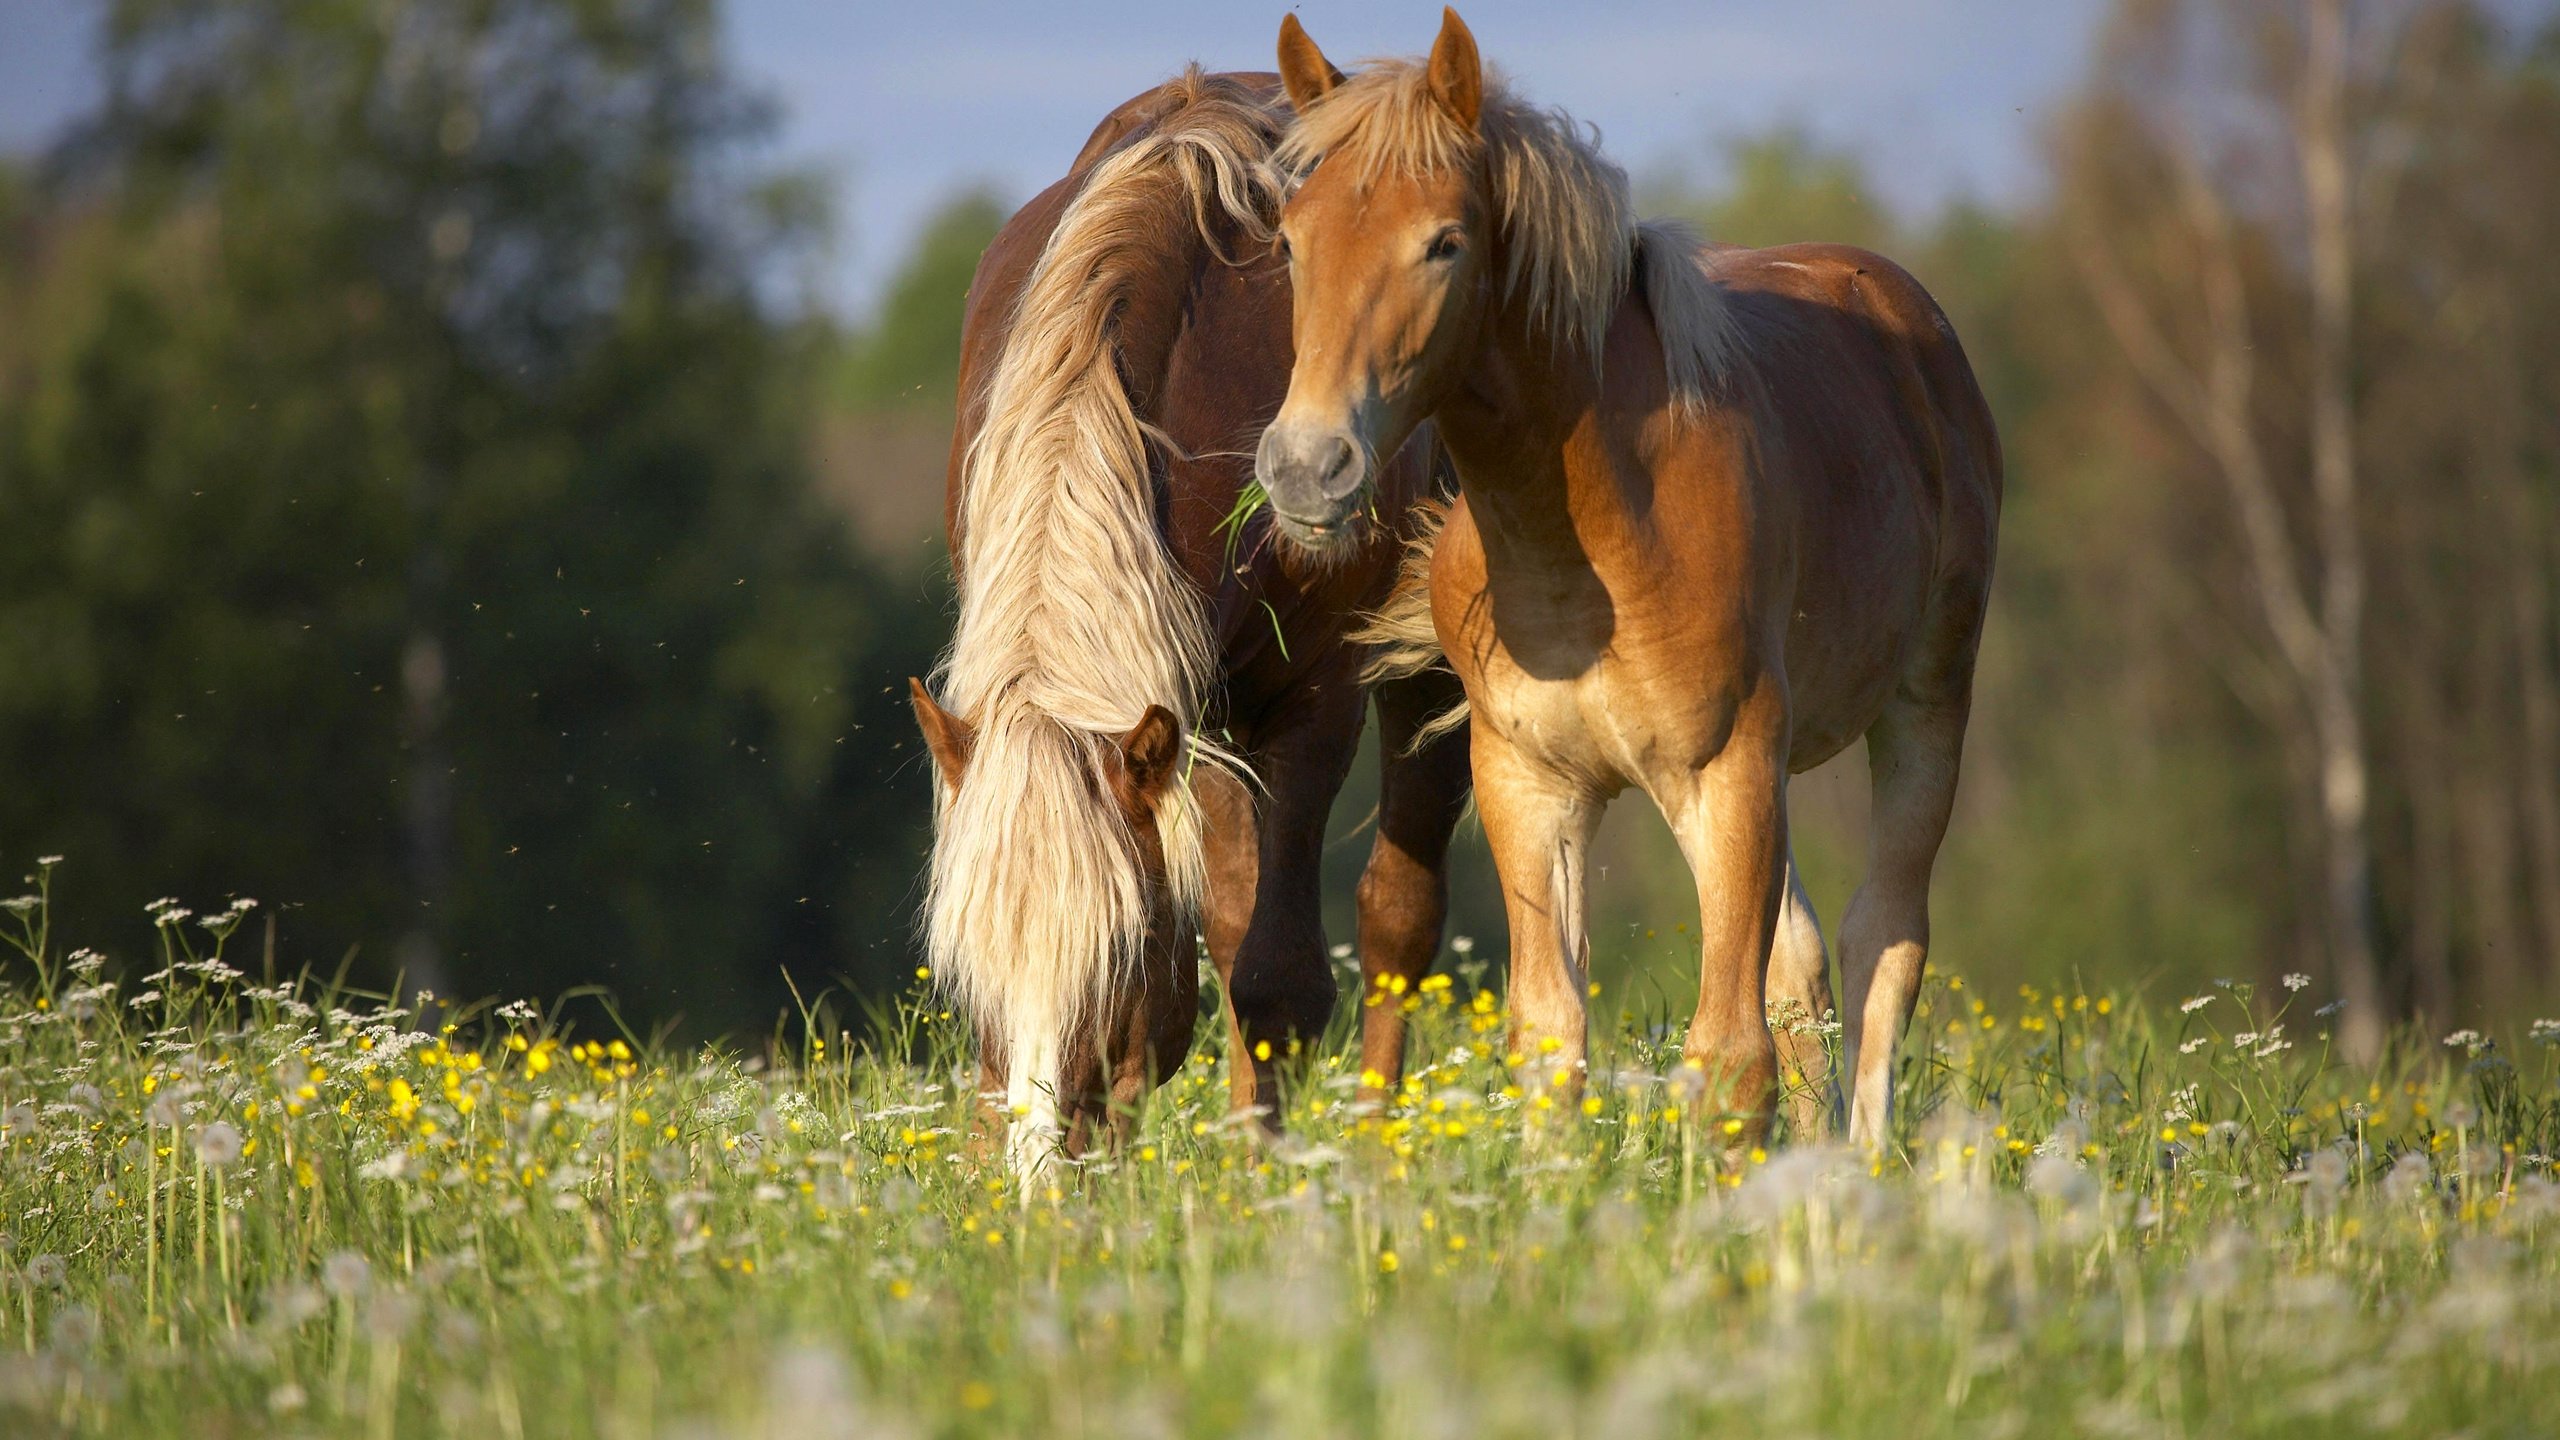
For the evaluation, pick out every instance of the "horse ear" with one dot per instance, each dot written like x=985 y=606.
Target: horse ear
x=1150 y=754
x=1457 y=72
x=949 y=737
x=1304 y=72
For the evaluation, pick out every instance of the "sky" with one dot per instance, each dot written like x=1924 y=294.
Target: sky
x=902 y=104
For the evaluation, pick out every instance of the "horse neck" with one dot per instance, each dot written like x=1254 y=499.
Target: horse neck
x=1533 y=453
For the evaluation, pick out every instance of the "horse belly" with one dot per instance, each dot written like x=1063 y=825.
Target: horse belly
x=1862 y=595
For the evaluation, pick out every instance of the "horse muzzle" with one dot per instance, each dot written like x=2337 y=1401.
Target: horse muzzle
x=1317 y=481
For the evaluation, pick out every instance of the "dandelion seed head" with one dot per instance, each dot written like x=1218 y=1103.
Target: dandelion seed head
x=74 y=1330
x=346 y=1274
x=218 y=1145
x=390 y=1313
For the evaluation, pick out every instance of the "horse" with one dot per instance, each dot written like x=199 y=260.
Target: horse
x=1722 y=512
x=1152 y=693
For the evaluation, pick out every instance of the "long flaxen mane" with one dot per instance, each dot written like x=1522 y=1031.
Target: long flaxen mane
x=1074 y=619
x=1572 y=244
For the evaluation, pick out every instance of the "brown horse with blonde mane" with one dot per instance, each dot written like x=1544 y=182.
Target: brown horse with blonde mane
x=1724 y=512
x=1147 y=707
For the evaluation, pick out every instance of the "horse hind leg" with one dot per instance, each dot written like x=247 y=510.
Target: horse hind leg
x=1800 y=1009
x=1912 y=757
x=1404 y=892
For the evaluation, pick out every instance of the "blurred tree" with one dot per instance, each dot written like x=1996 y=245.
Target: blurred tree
x=2289 y=224
x=908 y=358
x=1780 y=186
x=425 y=528
x=884 y=443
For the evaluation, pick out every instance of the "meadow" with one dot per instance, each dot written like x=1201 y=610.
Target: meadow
x=239 y=1205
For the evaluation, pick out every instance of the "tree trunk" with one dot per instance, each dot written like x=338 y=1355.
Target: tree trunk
x=2337 y=690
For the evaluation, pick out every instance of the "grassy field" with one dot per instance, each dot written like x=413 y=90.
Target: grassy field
x=237 y=1209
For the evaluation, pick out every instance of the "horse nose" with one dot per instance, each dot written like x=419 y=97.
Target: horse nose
x=1309 y=476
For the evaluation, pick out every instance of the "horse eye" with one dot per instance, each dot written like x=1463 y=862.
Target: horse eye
x=1444 y=245
x=1280 y=243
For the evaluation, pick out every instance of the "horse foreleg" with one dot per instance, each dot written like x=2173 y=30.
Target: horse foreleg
x=1732 y=829
x=1280 y=983
x=1404 y=892
x=1234 y=843
x=1539 y=826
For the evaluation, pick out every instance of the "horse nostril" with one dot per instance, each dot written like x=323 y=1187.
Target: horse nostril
x=1339 y=476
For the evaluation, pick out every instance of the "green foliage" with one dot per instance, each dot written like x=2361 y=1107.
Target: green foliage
x=909 y=358
x=413 y=520
x=239 y=1209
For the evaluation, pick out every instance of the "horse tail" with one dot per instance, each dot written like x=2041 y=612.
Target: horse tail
x=1074 y=619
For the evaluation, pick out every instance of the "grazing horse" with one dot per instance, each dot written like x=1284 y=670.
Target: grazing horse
x=1147 y=706
x=1723 y=511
